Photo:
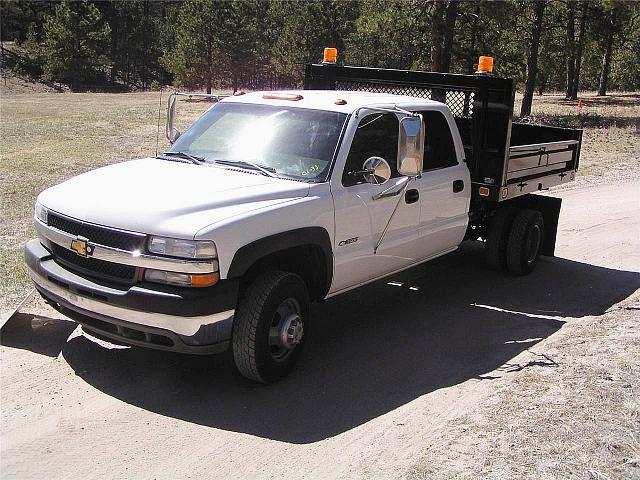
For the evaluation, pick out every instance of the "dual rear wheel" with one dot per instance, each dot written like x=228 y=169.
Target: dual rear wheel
x=514 y=240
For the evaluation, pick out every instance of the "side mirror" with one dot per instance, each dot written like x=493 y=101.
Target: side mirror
x=410 y=146
x=376 y=170
x=172 y=132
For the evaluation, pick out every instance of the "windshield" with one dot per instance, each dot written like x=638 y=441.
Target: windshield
x=293 y=142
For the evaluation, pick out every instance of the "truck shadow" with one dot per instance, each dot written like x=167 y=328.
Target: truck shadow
x=36 y=333
x=371 y=350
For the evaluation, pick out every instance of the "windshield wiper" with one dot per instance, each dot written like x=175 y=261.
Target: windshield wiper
x=268 y=171
x=193 y=158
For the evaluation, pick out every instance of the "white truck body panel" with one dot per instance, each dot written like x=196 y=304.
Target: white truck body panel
x=238 y=207
x=160 y=197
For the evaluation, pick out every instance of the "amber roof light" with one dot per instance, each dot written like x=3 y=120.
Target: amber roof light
x=485 y=65
x=330 y=55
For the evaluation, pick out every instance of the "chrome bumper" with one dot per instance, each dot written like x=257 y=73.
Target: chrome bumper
x=185 y=326
x=185 y=320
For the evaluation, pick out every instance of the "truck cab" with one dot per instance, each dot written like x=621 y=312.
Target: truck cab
x=269 y=201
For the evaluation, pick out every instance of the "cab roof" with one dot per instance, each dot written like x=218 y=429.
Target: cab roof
x=326 y=99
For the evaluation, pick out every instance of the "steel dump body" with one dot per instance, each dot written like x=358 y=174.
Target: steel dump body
x=506 y=159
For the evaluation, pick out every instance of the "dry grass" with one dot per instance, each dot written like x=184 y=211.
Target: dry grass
x=47 y=137
x=611 y=138
x=572 y=413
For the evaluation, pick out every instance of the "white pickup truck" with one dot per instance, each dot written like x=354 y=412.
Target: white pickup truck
x=272 y=200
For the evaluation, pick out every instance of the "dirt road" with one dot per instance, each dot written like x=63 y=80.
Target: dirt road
x=388 y=368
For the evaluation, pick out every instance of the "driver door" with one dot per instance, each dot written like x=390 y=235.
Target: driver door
x=361 y=216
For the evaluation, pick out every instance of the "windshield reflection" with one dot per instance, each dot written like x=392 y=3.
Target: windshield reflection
x=293 y=142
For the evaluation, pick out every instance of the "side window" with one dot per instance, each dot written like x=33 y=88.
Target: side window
x=439 y=150
x=376 y=136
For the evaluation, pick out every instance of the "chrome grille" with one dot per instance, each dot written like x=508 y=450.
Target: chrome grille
x=93 y=267
x=96 y=234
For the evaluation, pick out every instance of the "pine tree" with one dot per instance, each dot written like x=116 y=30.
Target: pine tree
x=75 y=39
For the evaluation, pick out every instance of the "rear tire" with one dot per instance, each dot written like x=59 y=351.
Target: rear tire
x=495 y=248
x=270 y=326
x=525 y=240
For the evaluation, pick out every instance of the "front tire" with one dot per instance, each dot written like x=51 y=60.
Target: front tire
x=270 y=326
x=525 y=240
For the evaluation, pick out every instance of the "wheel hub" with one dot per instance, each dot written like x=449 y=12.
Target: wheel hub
x=287 y=330
x=291 y=331
x=533 y=243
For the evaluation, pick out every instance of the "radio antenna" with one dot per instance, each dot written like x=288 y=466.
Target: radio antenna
x=158 y=130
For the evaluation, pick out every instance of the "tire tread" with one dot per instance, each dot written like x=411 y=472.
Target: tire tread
x=246 y=323
x=498 y=237
x=517 y=236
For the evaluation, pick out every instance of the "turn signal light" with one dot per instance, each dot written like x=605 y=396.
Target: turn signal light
x=181 y=279
x=484 y=191
x=205 y=280
x=485 y=65
x=330 y=55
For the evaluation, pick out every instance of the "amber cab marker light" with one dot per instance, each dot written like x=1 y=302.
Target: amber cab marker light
x=340 y=101
x=485 y=65
x=282 y=96
x=330 y=55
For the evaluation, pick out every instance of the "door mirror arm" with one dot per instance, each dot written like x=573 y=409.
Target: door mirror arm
x=393 y=190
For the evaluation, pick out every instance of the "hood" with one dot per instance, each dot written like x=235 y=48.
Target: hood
x=167 y=198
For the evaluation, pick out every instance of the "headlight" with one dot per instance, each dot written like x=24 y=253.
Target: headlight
x=41 y=213
x=181 y=279
x=173 y=247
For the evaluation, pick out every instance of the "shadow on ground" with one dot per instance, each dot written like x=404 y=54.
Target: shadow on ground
x=36 y=333
x=371 y=350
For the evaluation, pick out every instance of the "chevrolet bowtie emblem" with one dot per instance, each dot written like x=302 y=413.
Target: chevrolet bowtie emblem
x=81 y=247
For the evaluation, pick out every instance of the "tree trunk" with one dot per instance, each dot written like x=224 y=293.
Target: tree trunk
x=209 y=63
x=542 y=84
x=532 y=59
x=578 y=57
x=437 y=35
x=449 y=29
x=471 y=53
x=606 y=58
x=569 y=47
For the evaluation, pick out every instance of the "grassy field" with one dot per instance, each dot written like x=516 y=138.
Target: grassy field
x=49 y=137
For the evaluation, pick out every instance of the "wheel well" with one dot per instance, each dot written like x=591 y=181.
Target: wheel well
x=307 y=261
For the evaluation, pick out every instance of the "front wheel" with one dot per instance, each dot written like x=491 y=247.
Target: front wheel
x=270 y=326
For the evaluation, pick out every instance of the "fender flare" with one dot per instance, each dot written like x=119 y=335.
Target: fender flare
x=250 y=253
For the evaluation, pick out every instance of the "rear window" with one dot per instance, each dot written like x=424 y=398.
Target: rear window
x=439 y=149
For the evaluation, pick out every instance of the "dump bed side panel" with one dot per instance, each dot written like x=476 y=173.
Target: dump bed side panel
x=540 y=157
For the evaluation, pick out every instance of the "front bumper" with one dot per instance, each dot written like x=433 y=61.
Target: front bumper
x=168 y=318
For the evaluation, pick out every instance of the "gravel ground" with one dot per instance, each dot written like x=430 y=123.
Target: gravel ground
x=469 y=374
